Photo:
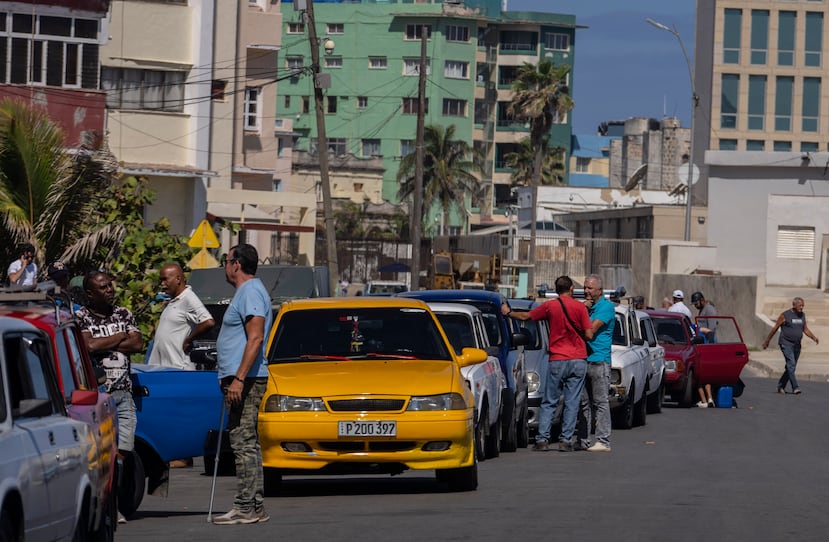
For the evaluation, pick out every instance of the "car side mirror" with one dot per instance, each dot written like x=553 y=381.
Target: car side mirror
x=520 y=339
x=698 y=340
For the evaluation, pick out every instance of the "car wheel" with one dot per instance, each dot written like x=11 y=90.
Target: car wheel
x=623 y=416
x=462 y=479
x=687 y=398
x=640 y=410
x=493 y=440
x=9 y=529
x=480 y=435
x=131 y=488
x=523 y=429
x=509 y=439
x=656 y=399
x=81 y=533
x=273 y=481
x=109 y=520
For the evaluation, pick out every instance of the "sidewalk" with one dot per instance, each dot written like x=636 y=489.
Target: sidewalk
x=812 y=366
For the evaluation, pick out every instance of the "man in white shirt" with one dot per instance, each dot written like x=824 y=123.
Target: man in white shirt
x=679 y=306
x=23 y=271
x=184 y=318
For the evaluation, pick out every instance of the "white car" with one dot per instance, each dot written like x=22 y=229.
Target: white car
x=629 y=370
x=656 y=363
x=45 y=488
x=464 y=326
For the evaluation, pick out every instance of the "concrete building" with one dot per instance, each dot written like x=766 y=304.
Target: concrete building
x=590 y=161
x=49 y=58
x=474 y=51
x=191 y=98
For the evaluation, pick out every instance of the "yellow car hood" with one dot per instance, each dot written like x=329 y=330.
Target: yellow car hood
x=369 y=377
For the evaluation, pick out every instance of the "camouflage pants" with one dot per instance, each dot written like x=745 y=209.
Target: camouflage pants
x=244 y=439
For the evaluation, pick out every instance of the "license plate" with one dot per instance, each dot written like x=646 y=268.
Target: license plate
x=366 y=428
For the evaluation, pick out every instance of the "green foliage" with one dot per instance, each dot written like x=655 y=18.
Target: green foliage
x=521 y=163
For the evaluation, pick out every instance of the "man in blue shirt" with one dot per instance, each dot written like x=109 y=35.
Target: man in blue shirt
x=243 y=373
x=594 y=399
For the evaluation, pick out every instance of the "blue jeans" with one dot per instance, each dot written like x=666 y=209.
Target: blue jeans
x=791 y=353
x=567 y=377
x=127 y=419
x=594 y=402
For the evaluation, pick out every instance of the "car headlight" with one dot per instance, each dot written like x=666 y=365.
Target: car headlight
x=444 y=401
x=289 y=403
x=670 y=365
x=533 y=382
x=615 y=376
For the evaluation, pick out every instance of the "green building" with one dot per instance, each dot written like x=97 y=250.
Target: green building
x=474 y=51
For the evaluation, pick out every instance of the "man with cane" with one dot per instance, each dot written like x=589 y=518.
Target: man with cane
x=243 y=376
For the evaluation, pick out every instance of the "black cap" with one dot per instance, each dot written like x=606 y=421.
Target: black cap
x=57 y=269
x=639 y=300
x=696 y=296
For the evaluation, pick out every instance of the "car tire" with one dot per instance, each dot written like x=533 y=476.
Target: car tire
x=687 y=398
x=462 y=479
x=524 y=428
x=509 y=438
x=132 y=486
x=109 y=521
x=9 y=529
x=480 y=435
x=273 y=481
x=640 y=410
x=656 y=399
x=81 y=533
x=623 y=416
x=492 y=447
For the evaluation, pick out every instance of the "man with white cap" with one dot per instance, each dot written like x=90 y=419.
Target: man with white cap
x=679 y=306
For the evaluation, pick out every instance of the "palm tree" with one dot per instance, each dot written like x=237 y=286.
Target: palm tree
x=449 y=168
x=540 y=96
x=46 y=194
x=521 y=163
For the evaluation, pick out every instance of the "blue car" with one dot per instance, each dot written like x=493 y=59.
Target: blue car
x=507 y=344
x=536 y=358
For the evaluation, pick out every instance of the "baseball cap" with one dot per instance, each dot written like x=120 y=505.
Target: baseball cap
x=678 y=294
x=57 y=268
x=639 y=300
x=696 y=296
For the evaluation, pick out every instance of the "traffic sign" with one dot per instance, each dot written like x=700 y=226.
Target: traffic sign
x=203 y=260
x=204 y=237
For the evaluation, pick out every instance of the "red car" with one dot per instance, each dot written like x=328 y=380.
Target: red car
x=690 y=360
x=79 y=383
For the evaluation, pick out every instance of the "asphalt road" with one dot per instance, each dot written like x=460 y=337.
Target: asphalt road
x=754 y=473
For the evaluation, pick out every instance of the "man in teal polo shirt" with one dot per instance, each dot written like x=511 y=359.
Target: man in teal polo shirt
x=594 y=399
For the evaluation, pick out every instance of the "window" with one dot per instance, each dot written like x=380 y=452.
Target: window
x=729 y=100
x=795 y=242
x=759 y=35
x=756 y=101
x=410 y=106
x=217 y=90
x=482 y=111
x=785 y=37
x=755 y=145
x=332 y=104
x=811 y=104
x=287 y=102
x=253 y=107
x=306 y=104
x=294 y=62
x=731 y=36
x=333 y=62
x=517 y=40
x=457 y=33
x=377 y=63
x=371 y=147
x=808 y=146
x=454 y=108
x=48 y=50
x=334 y=28
x=296 y=28
x=413 y=31
x=783 y=104
x=129 y=88
x=456 y=69
x=582 y=164
x=411 y=66
x=556 y=42
x=362 y=102
x=782 y=146
x=814 y=38
x=276 y=185
x=728 y=144
x=337 y=146
x=407 y=147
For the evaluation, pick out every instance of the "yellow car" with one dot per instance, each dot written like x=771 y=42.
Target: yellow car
x=366 y=385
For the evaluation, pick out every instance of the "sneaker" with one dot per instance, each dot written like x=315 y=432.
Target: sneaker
x=599 y=447
x=797 y=391
x=564 y=446
x=581 y=446
x=702 y=404
x=711 y=404
x=237 y=517
x=781 y=391
x=121 y=518
x=541 y=445
x=262 y=515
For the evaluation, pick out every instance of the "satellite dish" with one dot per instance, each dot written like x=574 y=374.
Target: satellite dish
x=682 y=173
x=637 y=176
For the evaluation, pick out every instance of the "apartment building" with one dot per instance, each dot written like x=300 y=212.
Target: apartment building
x=473 y=53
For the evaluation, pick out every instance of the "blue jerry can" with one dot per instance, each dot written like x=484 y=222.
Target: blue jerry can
x=725 y=397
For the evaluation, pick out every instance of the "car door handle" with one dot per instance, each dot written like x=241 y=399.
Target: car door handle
x=51 y=438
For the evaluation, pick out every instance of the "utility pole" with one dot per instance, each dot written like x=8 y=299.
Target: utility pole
x=322 y=150
x=417 y=196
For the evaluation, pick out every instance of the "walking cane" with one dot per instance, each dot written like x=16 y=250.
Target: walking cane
x=216 y=461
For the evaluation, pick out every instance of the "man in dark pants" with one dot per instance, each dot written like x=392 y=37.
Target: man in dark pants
x=243 y=374
x=793 y=324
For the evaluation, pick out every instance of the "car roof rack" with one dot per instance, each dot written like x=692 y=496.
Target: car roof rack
x=43 y=292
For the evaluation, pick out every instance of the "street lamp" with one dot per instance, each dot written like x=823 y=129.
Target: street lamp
x=694 y=104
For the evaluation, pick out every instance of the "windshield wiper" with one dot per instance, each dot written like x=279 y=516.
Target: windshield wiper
x=384 y=355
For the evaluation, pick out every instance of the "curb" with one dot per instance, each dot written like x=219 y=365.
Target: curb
x=767 y=371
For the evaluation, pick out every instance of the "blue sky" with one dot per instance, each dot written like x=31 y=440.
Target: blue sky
x=624 y=66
